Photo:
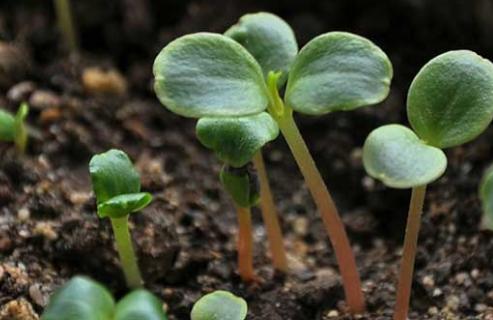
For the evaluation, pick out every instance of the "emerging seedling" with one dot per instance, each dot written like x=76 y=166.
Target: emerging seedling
x=12 y=128
x=66 y=23
x=486 y=196
x=219 y=305
x=116 y=184
x=211 y=75
x=450 y=102
x=84 y=299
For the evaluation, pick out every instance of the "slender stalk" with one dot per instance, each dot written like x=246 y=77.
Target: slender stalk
x=409 y=253
x=66 y=24
x=126 y=252
x=245 y=245
x=269 y=215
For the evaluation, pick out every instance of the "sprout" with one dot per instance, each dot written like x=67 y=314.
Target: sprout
x=66 y=23
x=210 y=75
x=84 y=299
x=450 y=102
x=117 y=187
x=12 y=128
x=219 y=305
x=486 y=196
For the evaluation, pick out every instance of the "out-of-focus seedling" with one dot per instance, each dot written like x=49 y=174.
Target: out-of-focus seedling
x=116 y=184
x=84 y=299
x=450 y=102
x=486 y=197
x=219 y=305
x=13 y=128
x=211 y=75
x=66 y=23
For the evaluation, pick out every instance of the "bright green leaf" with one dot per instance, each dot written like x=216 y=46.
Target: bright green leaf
x=486 y=196
x=396 y=156
x=450 y=101
x=80 y=299
x=113 y=174
x=140 y=305
x=207 y=75
x=20 y=128
x=219 y=305
x=338 y=71
x=7 y=126
x=122 y=205
x=235 y=140
x=269 y=39
x=241 y=184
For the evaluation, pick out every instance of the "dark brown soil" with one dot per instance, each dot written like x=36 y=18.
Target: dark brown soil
x=186 y=239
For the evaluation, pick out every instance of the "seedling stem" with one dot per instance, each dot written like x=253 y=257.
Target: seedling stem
x=65 y=23
x=269 y=215
x=335 y=228
x=409 y=253
x=245 y=244
x=126 y=252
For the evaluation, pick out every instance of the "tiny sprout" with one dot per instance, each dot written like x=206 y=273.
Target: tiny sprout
x=66 y=23
x=239 y=74
x=486 y=196
x=84 y=299
x=219 y=305
x=450 y=102
x=13 y=128
x=116 y=184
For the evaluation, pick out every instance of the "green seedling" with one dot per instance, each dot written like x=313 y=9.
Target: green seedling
x=13 y=128
x=84 y=299
x=66 y=23
x=212 y=75
x=236 y=141
x=450 y=102
x=486 y=197
x=116 y=184
x=219 y=305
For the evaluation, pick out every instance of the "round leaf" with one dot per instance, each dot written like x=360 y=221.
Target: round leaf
x=206 y=75
x=450 y=101
x=269 y=39
x=113 y=174
x=7 y=126
x=141 y=305
x=124 y=204
x=80 y=299
x=219 y=305
x=236 y=140
x=486 y=196
x=338 y=71
x=394 y=155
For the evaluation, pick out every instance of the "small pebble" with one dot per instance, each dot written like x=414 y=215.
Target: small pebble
x=19 y=309
x=23 y=214
x=36 y=295
x=21 y=91
x=428 y=281
x=453 y=302
x=333 y=314
x=46 y=230
x=43 y=99
x=98 y=81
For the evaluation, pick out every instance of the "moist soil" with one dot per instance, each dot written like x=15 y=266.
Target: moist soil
x=185 y=239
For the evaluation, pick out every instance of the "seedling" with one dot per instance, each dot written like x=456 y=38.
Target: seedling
x=12 y=128
x=66 y=23
x=211 y=75
x=84 y=299
x=219 y=305
x=450 y=102
x=116 y=184
x=486 y=196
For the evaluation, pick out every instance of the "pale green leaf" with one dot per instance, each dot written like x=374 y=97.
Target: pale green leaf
x=7 y=126
x=394 y=155
x=486 y=196
x=219 y=305
x=338 y=71
x=140 y=305
x=122 y=205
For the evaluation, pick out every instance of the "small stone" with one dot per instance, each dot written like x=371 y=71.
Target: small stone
x=475 y=273
x=453 y=302
x=79 y=197
x=98 y=81
x=433 y=310
x=428 y=281
x=23 y=214
x=36 y=295
x=19 y=309
x=437 y=292
x=300 y=226
x=21 y=91
x=46 y=230
x=50 y=115
x=462 y=278
x=480 y=307
x=43 y=99
x=333 y=314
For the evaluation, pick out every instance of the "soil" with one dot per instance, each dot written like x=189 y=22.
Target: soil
x=186 y=238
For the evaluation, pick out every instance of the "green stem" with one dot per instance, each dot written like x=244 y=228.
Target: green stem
x=269 y=215
x=330 y=216
x=126 y=252
x=409 y=253
x=66 y=24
